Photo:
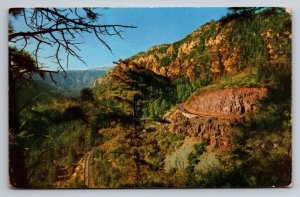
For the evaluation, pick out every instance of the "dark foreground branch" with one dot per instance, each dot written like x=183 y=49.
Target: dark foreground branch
x=57 y=30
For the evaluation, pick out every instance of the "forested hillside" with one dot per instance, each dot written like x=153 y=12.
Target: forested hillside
x=211 y=110
x=245 y=51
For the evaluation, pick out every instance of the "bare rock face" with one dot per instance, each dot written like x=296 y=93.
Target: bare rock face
x=212 y=116
x=216 y=131
x=230 y=101
x=186 y=48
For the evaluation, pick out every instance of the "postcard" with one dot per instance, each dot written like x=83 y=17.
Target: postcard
x=150 y=97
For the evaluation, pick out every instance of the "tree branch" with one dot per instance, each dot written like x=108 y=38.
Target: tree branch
x=59 y=27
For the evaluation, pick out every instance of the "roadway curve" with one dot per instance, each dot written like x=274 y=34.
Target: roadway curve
x=190 y=114
x=87 y=169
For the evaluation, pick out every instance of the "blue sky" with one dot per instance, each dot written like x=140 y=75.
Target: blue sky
x=154 y=26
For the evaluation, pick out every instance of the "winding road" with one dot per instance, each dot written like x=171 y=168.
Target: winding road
x=87 y=168
x=189 y=114
x=183 y=110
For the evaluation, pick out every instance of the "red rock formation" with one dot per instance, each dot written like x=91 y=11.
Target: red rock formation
x=213 y=115
x=229 y=101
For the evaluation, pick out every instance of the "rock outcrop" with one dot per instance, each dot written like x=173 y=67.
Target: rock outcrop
x=212 y=116
x=229 y=101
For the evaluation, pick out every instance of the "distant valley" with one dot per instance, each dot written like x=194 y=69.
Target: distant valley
x=71 y=82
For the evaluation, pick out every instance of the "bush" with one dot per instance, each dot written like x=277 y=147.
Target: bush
x=165 y=61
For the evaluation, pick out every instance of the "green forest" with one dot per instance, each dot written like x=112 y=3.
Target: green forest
x=127 y=129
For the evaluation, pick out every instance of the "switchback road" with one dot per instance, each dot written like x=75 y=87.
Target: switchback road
x=190 y=114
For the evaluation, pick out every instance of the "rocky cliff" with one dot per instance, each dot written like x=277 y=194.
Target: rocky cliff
x=212 y=116
x=217 y=48
x=229 y=101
